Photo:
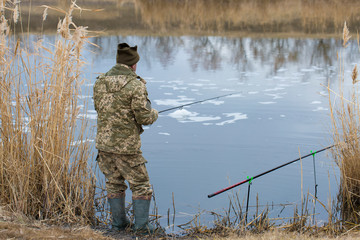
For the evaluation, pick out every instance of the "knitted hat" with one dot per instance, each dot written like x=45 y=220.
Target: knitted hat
x=127 y=55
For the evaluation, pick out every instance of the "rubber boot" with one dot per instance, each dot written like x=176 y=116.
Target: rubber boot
x=117 y=209
x=141 y=212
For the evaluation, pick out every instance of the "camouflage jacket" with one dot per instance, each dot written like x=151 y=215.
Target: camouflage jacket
x=122 y=105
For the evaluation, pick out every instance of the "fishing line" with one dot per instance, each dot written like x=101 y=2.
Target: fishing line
x=200 y=101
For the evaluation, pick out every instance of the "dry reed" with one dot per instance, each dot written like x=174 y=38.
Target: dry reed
x=44 y=170
x=345 y=115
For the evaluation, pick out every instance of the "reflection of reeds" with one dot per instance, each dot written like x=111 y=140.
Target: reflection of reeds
x=44 y=169
x=346 y=119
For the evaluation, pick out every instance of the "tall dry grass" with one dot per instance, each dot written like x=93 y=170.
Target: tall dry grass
x=345 y=115
x=44 y=170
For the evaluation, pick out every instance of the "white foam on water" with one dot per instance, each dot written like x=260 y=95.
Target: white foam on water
x=87 y=116
x=275 y=95
x=164 y=133
x=92 y=111
x=317 y=68
x=197 y=84
x=252 y=93
x=145 y=127
x=227 y=90
x=194 y=90
x=266 y=103
x=174 y=102
x=320 y=109
x=281 y=70
x=235 y=116
x=232 y=79
x=324 y=93
x=282 y=115
x=185 y=116
x=307 y=70
x=168 y=94
x=75 y=143
x=215 y=102
x=174 y=87
x=235 y=95
x=274 y=89
x=315 y=102
x=84 y=96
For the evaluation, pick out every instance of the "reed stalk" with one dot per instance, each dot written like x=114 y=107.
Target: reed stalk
x=345 y=115
x=44 y=170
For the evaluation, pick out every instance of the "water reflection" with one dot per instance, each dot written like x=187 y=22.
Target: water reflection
x=213 y=53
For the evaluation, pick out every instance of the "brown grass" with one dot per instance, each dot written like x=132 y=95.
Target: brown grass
x=44 y=170
x=345 y=115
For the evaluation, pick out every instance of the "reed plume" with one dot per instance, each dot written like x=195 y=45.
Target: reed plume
x=44 y=170
x=345 y=117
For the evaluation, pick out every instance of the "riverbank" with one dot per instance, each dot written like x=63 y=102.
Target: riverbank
x=17 y=226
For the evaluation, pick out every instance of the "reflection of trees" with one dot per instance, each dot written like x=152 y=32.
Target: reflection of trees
x=205 y=52
x=211 y=53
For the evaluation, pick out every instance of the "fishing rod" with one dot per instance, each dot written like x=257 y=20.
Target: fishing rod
x=269 y=171
x=188 y=104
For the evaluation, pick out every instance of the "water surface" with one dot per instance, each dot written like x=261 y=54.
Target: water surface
x=279 y=112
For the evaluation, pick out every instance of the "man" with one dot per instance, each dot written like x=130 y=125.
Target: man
x=122 y=105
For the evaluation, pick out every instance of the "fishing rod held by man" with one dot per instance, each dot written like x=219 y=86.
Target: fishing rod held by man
x=200 y=101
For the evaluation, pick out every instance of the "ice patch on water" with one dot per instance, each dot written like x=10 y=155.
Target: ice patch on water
x=88 y=116
x=215 y=102
x=281 y=70
x=274 y=89
x=317 y=68
x=164 y=133
x=324 y=93
x=307 y=70
x=75 y=143
x=174 y=87
x=174 y=102
x=184 y=116
x=84 y=96
x=235 y=95
x=320 y=109
x=275 y=95
x=266 y=103
x=315 y=102
x=202 y=84
x=235 y=116
x=227 y=90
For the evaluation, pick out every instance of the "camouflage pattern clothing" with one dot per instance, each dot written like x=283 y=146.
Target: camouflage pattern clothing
x=118 y=167
x=122 y=104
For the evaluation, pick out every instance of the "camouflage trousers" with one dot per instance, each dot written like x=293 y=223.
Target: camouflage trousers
x=120 y=167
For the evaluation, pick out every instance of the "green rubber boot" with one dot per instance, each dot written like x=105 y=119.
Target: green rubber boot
x=141 y=212
x=117 y=208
